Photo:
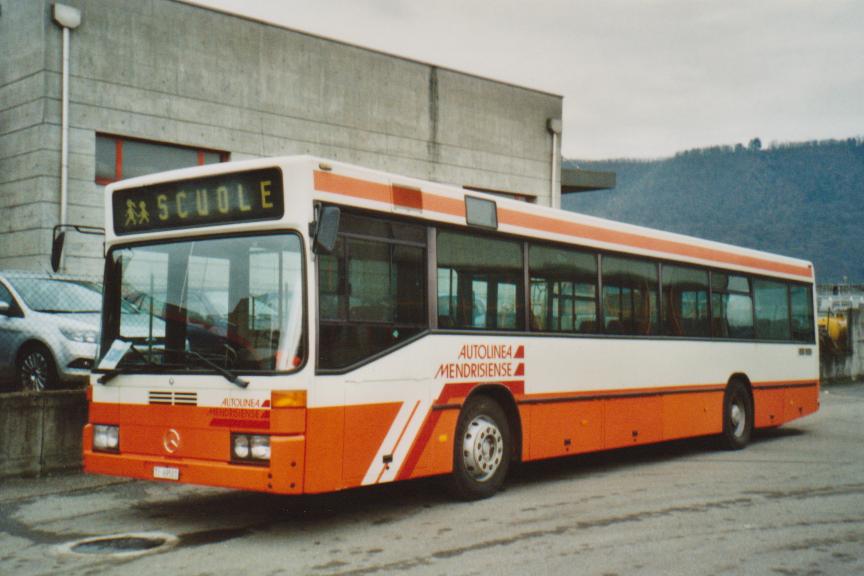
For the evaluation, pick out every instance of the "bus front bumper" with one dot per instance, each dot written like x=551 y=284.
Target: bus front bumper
x=283 y=474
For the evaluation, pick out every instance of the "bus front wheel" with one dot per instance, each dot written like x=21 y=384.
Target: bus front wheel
x=481 y=449
x=737 y=416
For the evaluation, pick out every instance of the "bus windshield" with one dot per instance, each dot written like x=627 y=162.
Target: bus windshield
x=236 y=302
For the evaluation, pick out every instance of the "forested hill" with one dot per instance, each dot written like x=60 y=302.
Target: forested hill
x=804 y=200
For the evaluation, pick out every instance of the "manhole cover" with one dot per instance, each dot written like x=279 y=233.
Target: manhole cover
x=116 y=544
x=121 y=544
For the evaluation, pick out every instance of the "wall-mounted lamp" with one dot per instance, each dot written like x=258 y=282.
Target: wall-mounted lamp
x=67 y=16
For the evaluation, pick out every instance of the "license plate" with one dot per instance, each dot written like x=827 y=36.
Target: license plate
x=166 y=472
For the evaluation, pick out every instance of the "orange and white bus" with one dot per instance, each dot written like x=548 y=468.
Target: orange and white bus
x=297 y=325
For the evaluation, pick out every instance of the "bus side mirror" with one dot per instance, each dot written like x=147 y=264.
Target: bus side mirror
x=326 y=228
x=60 y=237
x=57 y=249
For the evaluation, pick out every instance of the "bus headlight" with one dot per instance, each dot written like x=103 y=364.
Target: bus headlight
x=260 y=447
x=106 y=438
x=241 y=446
x=250 y=447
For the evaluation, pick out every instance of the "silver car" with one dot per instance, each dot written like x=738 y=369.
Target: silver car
x=49 y=329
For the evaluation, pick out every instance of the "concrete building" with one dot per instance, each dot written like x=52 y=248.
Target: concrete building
x=155 y=84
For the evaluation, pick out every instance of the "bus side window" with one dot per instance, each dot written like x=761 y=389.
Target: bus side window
x=772 y=310
x=801 y=300
x=563 y=290
x=371 y=290
x=330 y=292
x=685 y=301
x=731 y=306
x=480 y=282
x=630 y=296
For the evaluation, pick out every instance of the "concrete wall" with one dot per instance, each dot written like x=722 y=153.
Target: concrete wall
x=41 y=432
x=29 y=162
x=850 y=367
x=170 y=72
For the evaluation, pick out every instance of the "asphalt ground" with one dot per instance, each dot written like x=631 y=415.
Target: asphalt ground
x=792 y=503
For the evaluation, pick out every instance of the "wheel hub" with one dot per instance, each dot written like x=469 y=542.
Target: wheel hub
x=736 y=417
x=34 y=372
x=482 y=448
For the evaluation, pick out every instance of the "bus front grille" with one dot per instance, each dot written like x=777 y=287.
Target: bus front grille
x=171 y=398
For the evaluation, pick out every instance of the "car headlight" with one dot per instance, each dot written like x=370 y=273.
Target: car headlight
x=106 y=438
x=250 y=447
x=79 y=335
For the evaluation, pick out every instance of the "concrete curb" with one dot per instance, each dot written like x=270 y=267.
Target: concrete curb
x=40 y=432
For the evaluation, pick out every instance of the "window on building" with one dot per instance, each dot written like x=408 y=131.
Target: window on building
x=685 y=301
x=772 y=310
x=629 y=296
x=372 y=289
x=563 y=290
x=731 y=306
x=118 y=158
x=480 y=282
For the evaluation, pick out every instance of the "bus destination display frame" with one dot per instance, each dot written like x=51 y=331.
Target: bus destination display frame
x=231 y=198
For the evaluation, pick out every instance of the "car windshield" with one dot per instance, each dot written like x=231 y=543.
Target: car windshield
x=58 y=295
x=236 y=301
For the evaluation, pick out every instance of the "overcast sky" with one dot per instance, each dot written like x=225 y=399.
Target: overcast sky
x=640 y=78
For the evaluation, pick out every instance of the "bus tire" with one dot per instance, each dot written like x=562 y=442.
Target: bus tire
x=737 y=416
x=482 y=448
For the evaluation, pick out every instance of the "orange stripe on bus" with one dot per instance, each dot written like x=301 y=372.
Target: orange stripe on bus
x=366 y=427
x=450 y=393
x=420 y=444
x=656 y=391
x=341 y=442
x=367 y=190
x=632 y=240
x=619 y=392
x=364 y=189
x=444 y=205
x=784 y=383
x=325 y=444
x=398 y=440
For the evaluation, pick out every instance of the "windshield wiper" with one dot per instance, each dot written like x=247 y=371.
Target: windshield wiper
x=146 y=367
x=136 y=369
x=61 y=311
x=150 y=365
x=227 y=374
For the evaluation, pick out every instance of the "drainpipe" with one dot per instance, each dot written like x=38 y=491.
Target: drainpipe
x=554 y=126
x=67 y=18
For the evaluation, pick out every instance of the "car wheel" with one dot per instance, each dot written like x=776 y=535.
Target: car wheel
x=481 y=451
x=36 y=371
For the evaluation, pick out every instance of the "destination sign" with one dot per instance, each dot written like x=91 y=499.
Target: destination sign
x=222 y=199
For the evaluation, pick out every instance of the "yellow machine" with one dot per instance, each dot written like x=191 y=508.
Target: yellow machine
x=834 y=332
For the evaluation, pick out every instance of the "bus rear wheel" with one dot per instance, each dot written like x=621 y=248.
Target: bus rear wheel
x=737 y=416
x=481 y=449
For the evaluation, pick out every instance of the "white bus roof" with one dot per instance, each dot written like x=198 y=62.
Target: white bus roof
x=350 y=185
